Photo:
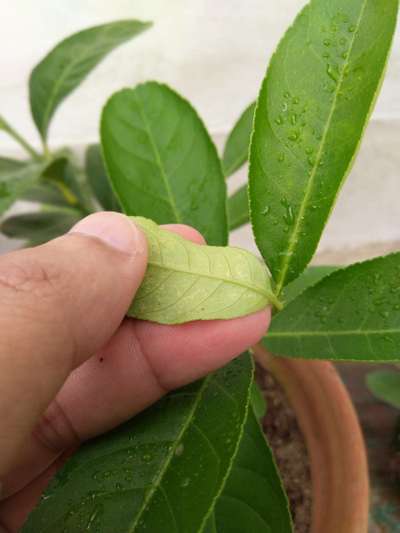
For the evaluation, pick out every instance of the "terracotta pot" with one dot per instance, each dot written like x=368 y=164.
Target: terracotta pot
x=338 y=460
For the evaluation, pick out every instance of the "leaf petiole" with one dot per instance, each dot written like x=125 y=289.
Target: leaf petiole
x=5 y=126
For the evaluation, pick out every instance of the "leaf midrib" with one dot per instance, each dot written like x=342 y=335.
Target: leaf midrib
x=332 y=333
x=300 y=217
x=158 y=161
x=244 y=285
x=170 y=455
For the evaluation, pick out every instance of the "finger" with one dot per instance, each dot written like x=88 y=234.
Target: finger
x=141 y=362
x=59 y=303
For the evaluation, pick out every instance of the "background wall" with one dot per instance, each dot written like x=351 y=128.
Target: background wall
x=214 y=53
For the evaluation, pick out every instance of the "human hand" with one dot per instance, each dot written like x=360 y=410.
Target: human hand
x=64 y=301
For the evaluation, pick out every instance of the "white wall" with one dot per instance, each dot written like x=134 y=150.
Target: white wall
x=215 y=53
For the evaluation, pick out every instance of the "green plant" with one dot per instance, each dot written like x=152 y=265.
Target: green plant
x=197 y=460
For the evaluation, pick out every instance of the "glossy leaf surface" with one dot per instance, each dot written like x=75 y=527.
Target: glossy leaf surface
x=68 y=64
x=385 y=385
x=185 y=281
x=309 y=277
x=160 y=472
x=162 y=162
x=236 y=149
x=98 y=179
x=253 y=499
x=238 y=208
x=352 y=314
x=312 y=110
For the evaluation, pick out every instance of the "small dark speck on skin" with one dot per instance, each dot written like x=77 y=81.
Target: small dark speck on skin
x=101 y=359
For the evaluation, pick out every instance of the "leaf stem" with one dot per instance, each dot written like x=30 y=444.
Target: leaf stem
x=5 y=126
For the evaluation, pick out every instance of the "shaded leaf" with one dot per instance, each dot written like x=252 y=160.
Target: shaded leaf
x=352 y=314
x=312 y=110
x=253 y=499
x=9 y=165
x=14 y=183
x=238 y=208
x=186 y=281
x=40 y=227
x=257 y=400
x=68 y=64
x=162 y=162
x=46 y=192
x=309 y=277
x=160 y=472
x=236 y=148
x=98 y=179
x=385 y=385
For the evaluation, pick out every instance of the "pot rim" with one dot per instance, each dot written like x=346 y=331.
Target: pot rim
x=334 y=441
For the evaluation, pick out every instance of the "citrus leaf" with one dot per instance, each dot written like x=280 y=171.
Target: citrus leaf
x=257 y=400
x=238 y=208
x=162 y=162
x=161 y=472
x=40 y=227
x=385 y=385
x=312 y=109
x=352 y=314
x=98 y=179
x=253 y=499
x=15 y=182
x=185 y=281
x=309 y=277
x=68 y=64
x=236 y=149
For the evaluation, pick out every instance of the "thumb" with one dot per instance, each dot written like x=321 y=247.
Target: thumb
x=59 y=303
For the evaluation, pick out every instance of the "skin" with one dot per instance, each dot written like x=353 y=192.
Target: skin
x=71 y=365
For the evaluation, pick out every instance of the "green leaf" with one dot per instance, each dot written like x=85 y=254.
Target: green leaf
x=352 y=314
x=385 y=385
x=8 y=165
x=162 y=162
x=14 y=183
x=257 y=400
x=186 y=281
x=68 y=64
x=46 y=192
x=236 y=149
x=40 y=227
x=161 y=472
x=238 y=208
x=309 y=277
x=313 y=106
x=253 y=500
x=98 y=179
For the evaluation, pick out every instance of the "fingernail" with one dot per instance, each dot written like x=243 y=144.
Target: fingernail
x=114 y=229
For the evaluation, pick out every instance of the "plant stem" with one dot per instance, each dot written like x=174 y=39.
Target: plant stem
x=20 y=140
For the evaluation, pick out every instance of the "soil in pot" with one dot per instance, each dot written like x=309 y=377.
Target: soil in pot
x=289 y=448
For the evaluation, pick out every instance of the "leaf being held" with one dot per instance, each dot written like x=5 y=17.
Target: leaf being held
x=312 y=109
x=187 y=281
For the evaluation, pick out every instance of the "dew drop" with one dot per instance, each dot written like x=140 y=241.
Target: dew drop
x=147 y=458
x=327 y=42
x=331 y=73
x=279 y=120
x=352 y=28
x=296 y=100
x=185 y=482
x=266 y=210
x=293 y=119
x=286 y=94
x=281 y=157
x=179 y=449
x=293 y=136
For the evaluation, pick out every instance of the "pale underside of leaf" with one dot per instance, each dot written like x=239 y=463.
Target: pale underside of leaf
x=186 y=281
